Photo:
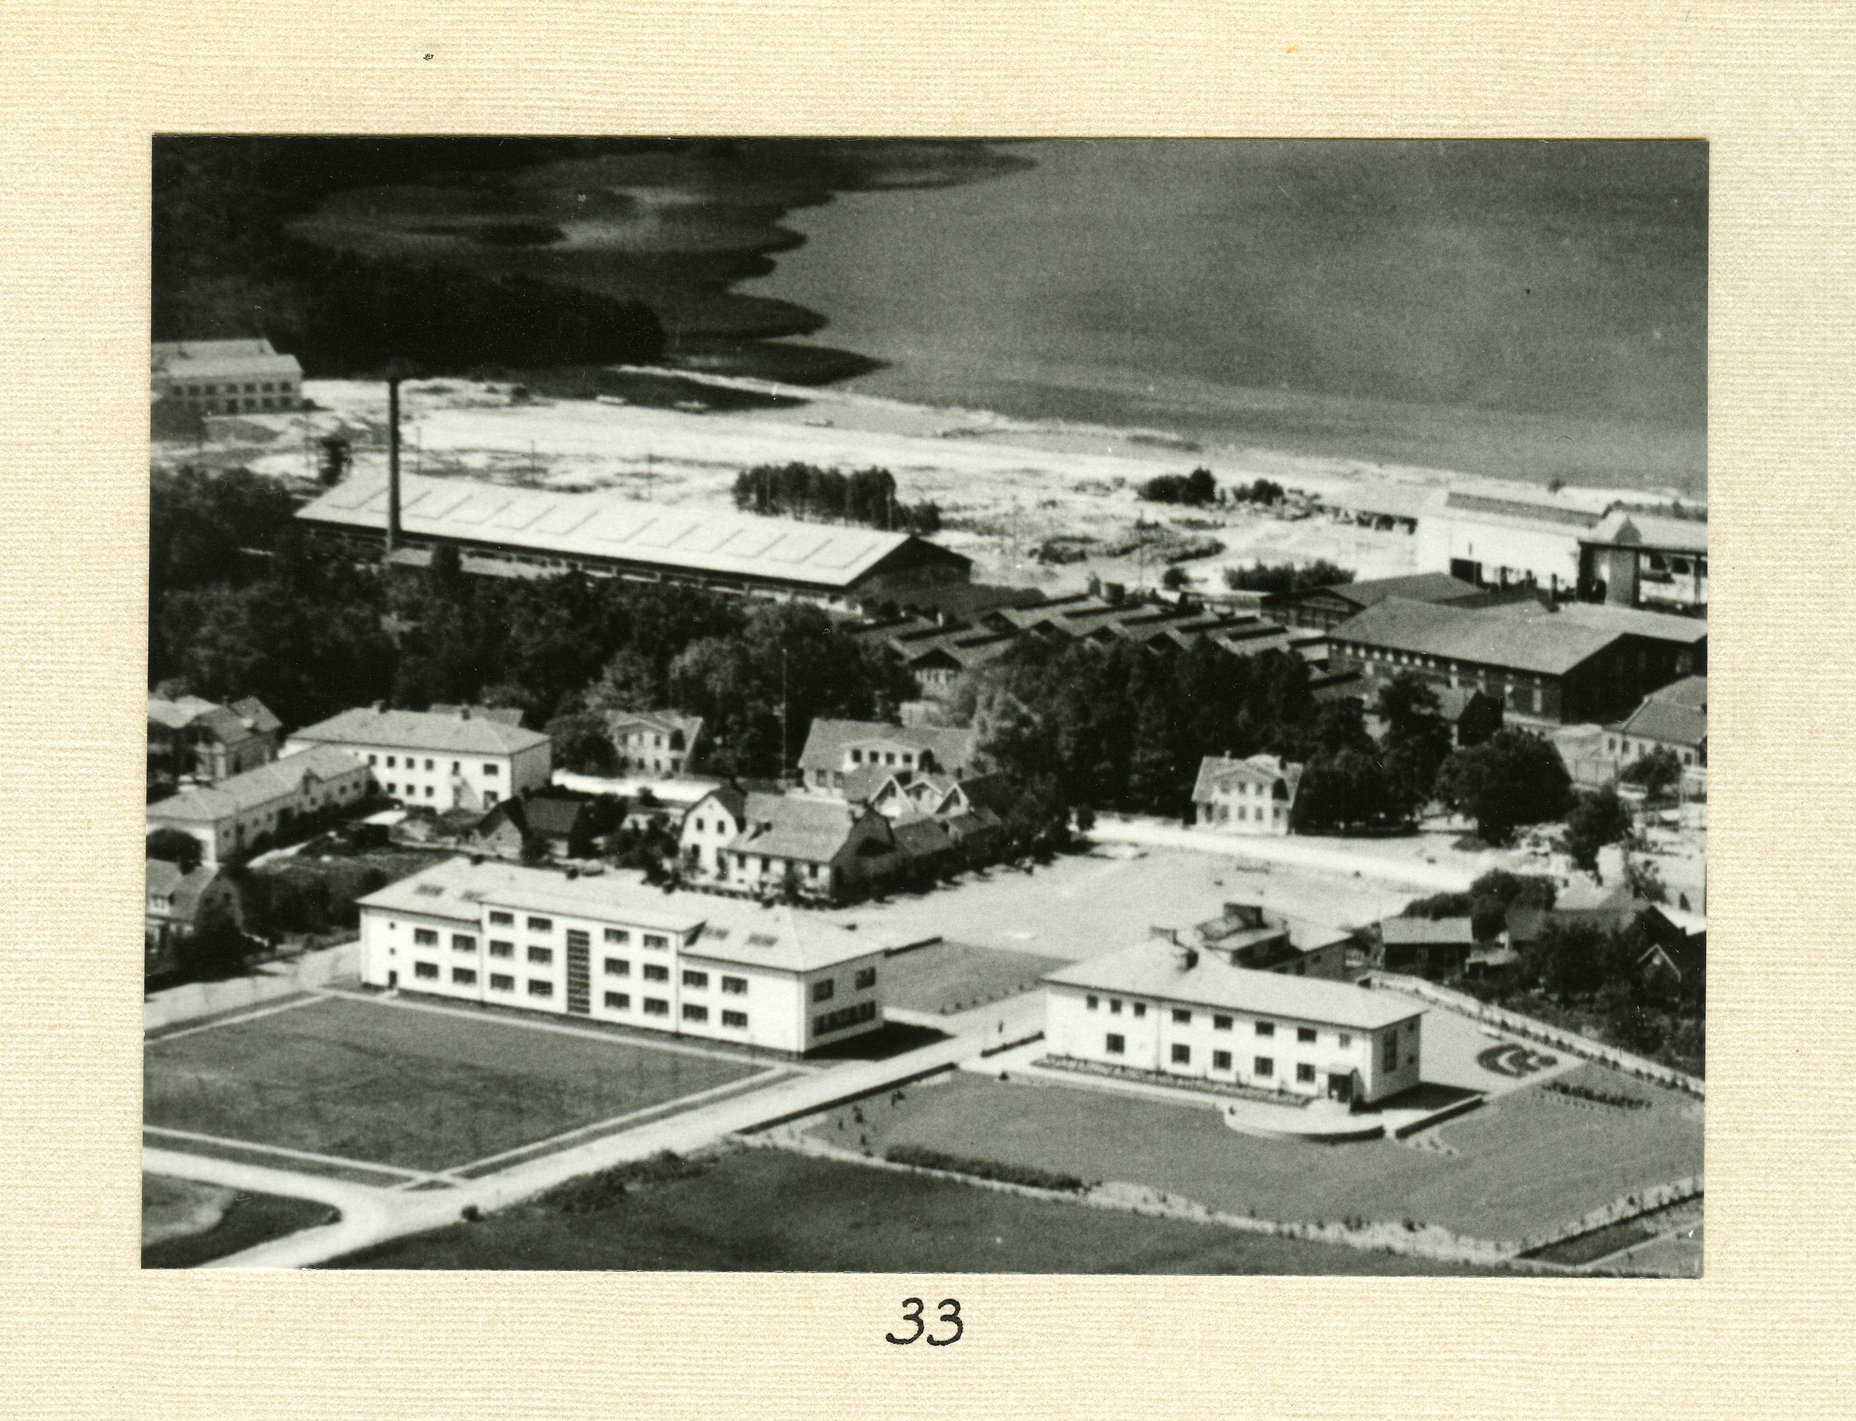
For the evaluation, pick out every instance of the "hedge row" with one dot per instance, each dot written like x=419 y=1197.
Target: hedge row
x=1029 y=1176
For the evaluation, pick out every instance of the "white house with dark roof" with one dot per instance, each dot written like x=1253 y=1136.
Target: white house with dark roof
x=1174 y=1010
x=610 y=949
x=850 y=759
x=762 y=843
x=654 y=742
x=193 y=738
x=238 y=812
x=457 y=760
x=1248 y=796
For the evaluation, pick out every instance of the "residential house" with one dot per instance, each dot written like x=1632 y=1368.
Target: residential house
x=1678 y=950
x=441 y=761
x=248 y=809
x=1264 y=940
x=559 y=823
x=1248 y=796
x=607 y=948
x=760 y=843
x=1427 y=947
x=177 y=904
x=1675 y=719
x=200 y=740
x=1176 y=1011
x=225 y=376
x=661 y=743
x=849 y=758
x=1608 y=906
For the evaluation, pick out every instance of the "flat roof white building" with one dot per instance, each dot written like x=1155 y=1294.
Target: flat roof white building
x=611 y=949
x=1181 y=1011
x=225 y=376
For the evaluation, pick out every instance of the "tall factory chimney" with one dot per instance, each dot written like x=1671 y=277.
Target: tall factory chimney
x=393 y=463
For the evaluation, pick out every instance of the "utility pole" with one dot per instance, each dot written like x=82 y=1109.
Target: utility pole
x=783 y=713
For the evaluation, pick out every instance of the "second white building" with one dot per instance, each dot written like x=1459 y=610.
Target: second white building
x=613 y=950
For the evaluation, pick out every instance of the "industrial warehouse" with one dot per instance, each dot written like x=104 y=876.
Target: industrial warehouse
x=601 y=533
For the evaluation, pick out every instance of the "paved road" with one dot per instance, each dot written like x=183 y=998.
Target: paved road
x=371 y=1215
x=1450 y=874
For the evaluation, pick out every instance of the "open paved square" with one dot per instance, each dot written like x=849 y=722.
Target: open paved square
x=346 y=1079
x=1084 y=904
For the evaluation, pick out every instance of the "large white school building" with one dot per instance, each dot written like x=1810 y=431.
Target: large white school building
x=610 y=949
x=1184 y=1011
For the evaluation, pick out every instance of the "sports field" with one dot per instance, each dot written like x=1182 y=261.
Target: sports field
x=1524 y=1163
x=345 y=1079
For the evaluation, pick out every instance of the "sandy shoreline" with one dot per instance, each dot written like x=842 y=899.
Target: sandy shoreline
x=1004 y=484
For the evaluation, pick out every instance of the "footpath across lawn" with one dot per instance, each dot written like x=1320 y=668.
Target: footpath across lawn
x=187 y=1223
x=830 y=1216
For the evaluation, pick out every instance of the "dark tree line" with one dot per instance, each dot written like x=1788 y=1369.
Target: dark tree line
x=1111 y=726
x=1284 y=578
x=1194 y=490
x=866 y=497
x=309 y=633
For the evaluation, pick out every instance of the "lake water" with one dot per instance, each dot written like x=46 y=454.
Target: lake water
x=1525 y=310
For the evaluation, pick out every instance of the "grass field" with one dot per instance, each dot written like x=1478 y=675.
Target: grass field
x=952 y=976
x=185 y=1223
x=837 y=1217
x=1526 y=1162
x=399 y=1086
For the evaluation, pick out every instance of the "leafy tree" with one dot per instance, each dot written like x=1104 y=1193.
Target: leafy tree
x=1195 y=489
x=1347 y=790
x=1595 y=820
x=1286 y=577
x=1416 y=737
x=1174 y=578
x=177 y=847
x=1645 y=879
x=217 y=947
x=581 y=743
x=1658 y=772
x=1512 y=778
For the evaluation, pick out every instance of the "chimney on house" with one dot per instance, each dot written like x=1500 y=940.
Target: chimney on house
x=1185 y=958
x=1165 y=934
x=463 y=712
x=379 y=706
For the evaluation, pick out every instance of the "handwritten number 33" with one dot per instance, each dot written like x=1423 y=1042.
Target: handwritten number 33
x=912 y=1312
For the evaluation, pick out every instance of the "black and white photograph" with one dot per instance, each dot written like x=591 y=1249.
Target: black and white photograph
x=927 y=706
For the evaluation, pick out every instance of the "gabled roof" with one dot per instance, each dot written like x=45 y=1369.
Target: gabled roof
x=1585 y=896
x=608 y=525
x=1415 y=587
x=798 y=827
x=1427 y=932
x=422 y=730
x=255 y=787
x=658 y=722
x=1690 y=691
x=1547 y=645
x=257 y=715
x=828 y=741
x=183 y=890
x=184 y=359
x=1512 y=512
x=1153 y=969
x=1668 y=723
x=1633 y=528
x=1603 y=616
x=502 y=715
x=551 y=816
x=1217 y=771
